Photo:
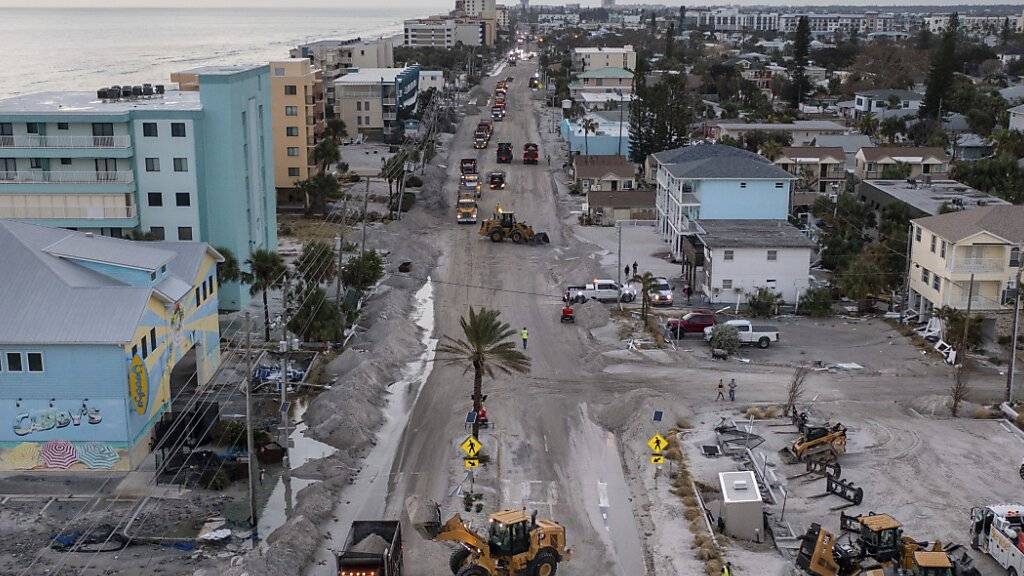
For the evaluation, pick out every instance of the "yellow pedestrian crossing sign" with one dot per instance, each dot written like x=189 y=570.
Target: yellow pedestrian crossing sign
x=471 y=446
x=657 y=443
x=471 y=463
x=657 y=459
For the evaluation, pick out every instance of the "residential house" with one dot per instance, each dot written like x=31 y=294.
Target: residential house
x=295 y=85
x=369 y=101
x=922 y=198
x=1013 y=94
x=602 y=80
x=948 y=250
x=802 y=132
x=716 y=182
x=970 y=146
x=737 y=257
x=850 y=143
x=606 y=207
x=930 y=162
x=883 y=103
x=189 y=165
x=93 y=328
x=612 y=173
x=587 y=59
x=611 y=135
x=336 y=58
x=818 y=171
x=1017 y=117
x=431 y=79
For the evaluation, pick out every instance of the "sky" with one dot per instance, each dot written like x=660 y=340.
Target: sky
x=440 y=5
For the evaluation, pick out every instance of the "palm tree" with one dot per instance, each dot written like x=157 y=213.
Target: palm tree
x=589 y=126
x=266 y=270
x=646 y=281
x=228 y=270
x=325 y=154
x=868 y=123
x=892 y=127
x=335 y=130
x=489 y=346
x=316 y=190
x=317 y=263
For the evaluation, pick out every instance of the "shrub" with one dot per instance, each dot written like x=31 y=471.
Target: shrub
x=764 y=303
x=363 y=271
x=725 y=337
x=219 y=480
x=353 y=177
x=817 y=302
x=413 y=181
x=408 y=199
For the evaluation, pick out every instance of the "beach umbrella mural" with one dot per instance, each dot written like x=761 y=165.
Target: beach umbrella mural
x=97 y=455
x=24 y=456
x=59 y=454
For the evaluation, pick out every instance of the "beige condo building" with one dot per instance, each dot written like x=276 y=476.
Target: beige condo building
x=296 y=118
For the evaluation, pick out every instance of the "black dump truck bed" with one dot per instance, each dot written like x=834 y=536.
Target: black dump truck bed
x=372 y=545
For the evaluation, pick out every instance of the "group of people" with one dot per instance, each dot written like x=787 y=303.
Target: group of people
x=732 y=390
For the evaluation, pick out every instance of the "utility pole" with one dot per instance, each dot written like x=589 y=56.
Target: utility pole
x=967 y=324
x=618 y=268
x=1014 y=334
x=366 y=197
x=249 y=437
x=283 y=432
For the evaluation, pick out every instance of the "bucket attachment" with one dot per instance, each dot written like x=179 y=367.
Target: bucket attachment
x=541 y=238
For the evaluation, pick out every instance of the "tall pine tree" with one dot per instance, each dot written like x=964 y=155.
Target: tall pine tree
x=940 y=72
x=798 y=73
x=670 y=41
x=639 y=117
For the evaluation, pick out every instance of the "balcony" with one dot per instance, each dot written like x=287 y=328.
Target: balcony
x=977 y=266
x=68 y=212
x=389 y=116
x=390 y=101
x=40 y=141
x=66 y=177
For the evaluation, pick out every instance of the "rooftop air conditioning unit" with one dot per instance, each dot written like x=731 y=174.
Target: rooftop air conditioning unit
x=102 y=94
x=159 y=89
x=136 y=91
x=740 y=485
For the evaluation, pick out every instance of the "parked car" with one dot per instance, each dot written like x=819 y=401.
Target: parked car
x=692 y=322
x=600 y=290
x=750 y=333
x=660 y=293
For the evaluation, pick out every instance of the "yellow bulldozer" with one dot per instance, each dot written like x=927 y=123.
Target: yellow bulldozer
x=516 y=544
x=878 y=548
x=504 y=225
x=823 y=443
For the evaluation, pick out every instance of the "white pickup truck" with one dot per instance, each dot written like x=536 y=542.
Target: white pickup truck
x=762 y=336
x=601 y=290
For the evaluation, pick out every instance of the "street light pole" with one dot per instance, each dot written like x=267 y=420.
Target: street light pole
x=1014 y=334
x=250 y=438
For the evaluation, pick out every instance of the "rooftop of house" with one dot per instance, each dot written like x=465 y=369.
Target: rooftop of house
x=929 y=198
x=885 y=94
x=221 y=69
x=800 y=154
x=609 y=72
x=87 y=103
x=850 y=143
x=718 y=161
x=604 y=97
x=600 y=166
x=752 y=234
x=621 y=199
x=905 y=154
x=1017 y=109
x=1011 y=93
x=1007 y=222
x=604 y=50
x=796 y=125
x=55 y=299
x=370 y=76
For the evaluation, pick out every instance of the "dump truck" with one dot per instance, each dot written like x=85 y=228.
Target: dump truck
x=531 y=153
x=516 y=544
x=373 y=548
x=503 y=225
x=466 y=209
x=504 y=152
x=467 y=166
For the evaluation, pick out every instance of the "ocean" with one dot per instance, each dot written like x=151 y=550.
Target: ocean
x=89 y=48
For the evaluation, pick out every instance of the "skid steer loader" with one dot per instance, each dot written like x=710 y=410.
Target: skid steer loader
x=516 y=544
x=504 y=225
x=824 y=443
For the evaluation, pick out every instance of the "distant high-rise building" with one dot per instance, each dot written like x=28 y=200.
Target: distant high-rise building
x=335 y=58
x=607 y=4
x=525 y=5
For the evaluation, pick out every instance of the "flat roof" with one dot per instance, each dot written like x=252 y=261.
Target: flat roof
x=797 y=125
x=87 y=103
x=752 y=234
x=739 y=486
x=220 y=69
x=928 y=198
x=603 y=49
x=370 y=75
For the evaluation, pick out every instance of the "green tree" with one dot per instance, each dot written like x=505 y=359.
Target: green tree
x=816 y=302
x=868 y=123
x=725 y=337
x=892 y=127
x=940 y=72
x=266 y=272
x=317 y=263
x=646 y=282
x=324 y=154
x=863 y=278
x=589 y=126
x=953 y=333
x=897 y=171
x=316 y=190
x=316 y=319
x=670 y=39
x=335 y=131
x=363 y=271
x=764 y=303
x=801 y=48
x=488 y=346
x=228 y=270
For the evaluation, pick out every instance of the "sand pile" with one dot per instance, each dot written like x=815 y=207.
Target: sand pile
x=372 y=544
x=591 y=314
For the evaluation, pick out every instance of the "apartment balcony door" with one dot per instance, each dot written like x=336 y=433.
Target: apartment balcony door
x=106 y=169
x=8 y=168
x=102 y=134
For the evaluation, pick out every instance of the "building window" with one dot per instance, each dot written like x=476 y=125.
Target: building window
x=934 y=242
x=157 y=232
x=149 y=129
x=291 y=110
x=917 y=233
x=152 y=164
x=204 y=291
x=198 y=301
x=726 y=284
x=942 y=249
x=181 y=164
x=359 y=105
x=32 y=128
x=178 y=129
x=359 y=120
x=366 y=120
x=135 y=351
x=145 y=349
x=152 y=338
x=35 y=163
x=936 y=281
x=366 y=105
x=924 y=275
x=14 y=362
x=62 y=125
x=290 y=90
x=727 y=255
x=294 y=172
x=65 y=161
x=185 y=233
x=293 y=151
x=182 y=199
x=743 y=184
x=773 y=255
x=1015 y=257
x=291 y=131
x=155 y=199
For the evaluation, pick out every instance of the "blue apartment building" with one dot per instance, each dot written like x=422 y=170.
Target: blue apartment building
x=191 y=164
x=92 y=329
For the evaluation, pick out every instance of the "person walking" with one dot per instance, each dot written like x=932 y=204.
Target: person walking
x=721 y=386
x=548 y=157
x=635 y=267
x=625 y=271
x=732 y=390
x=689 y=293
x=727 y=569
x=524 y=335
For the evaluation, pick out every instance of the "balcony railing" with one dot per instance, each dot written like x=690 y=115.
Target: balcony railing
x=77 y=212
x=390 y=101
x=388 y=116
x=977 y=265
x=65 y=177
x=41 y=141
